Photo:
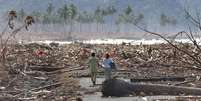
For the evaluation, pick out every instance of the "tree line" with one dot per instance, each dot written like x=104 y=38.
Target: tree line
x=69 y=14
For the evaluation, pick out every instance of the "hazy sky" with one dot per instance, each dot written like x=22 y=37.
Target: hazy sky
x=152 y=10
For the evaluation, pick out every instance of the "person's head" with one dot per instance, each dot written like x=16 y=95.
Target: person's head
x=107 y=56
x=93 y=54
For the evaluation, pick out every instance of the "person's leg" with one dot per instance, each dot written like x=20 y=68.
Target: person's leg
x=93 y=78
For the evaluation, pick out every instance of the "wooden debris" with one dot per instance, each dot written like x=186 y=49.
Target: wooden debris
x=153 y=79
x=45 y=68
x=185 y=82
x=115 y=87
x=47 y=86
x=188 y=98
x=40 y=72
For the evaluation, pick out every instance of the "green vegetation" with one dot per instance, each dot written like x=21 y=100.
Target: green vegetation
x=70 y=18
x=69 y=14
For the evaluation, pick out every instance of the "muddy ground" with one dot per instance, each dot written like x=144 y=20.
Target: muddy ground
x=46 y=72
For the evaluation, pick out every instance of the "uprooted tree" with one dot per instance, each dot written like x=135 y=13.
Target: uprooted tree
x=6 y=36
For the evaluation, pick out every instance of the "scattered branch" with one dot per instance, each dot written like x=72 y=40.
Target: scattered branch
x=170 y=43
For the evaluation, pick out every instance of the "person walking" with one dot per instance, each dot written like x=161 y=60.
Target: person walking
x=93 y=64
x=108 y=64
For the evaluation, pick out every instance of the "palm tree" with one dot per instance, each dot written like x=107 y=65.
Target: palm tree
x=68 y=15
x=139 y=18
x=126 y=17
x=72 y=14
x=50 y=9
x=63 y=14
x=21 y=14
x=85 y=18
x=164 y=20
x=167 y=20
x=48 y=15
x=99 y=17
x=110 y=11
x=37 y=17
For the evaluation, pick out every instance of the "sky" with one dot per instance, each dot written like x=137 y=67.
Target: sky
x=152 y=9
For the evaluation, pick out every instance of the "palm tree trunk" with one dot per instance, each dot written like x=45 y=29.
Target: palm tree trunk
x=97 y=27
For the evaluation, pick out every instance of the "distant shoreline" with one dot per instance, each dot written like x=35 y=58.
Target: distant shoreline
x=111 y=41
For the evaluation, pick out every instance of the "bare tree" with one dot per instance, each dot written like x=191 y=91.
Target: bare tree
x=193 y=57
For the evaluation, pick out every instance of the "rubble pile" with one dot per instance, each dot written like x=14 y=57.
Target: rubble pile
x=26 y=74
x=41 y=71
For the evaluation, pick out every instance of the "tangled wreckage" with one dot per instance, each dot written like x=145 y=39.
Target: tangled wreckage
x=40 y=71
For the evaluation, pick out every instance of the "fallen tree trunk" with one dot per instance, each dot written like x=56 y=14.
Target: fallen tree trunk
x=115 y=87
x=181 y=83
x=158 y=79
x=45 y=68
